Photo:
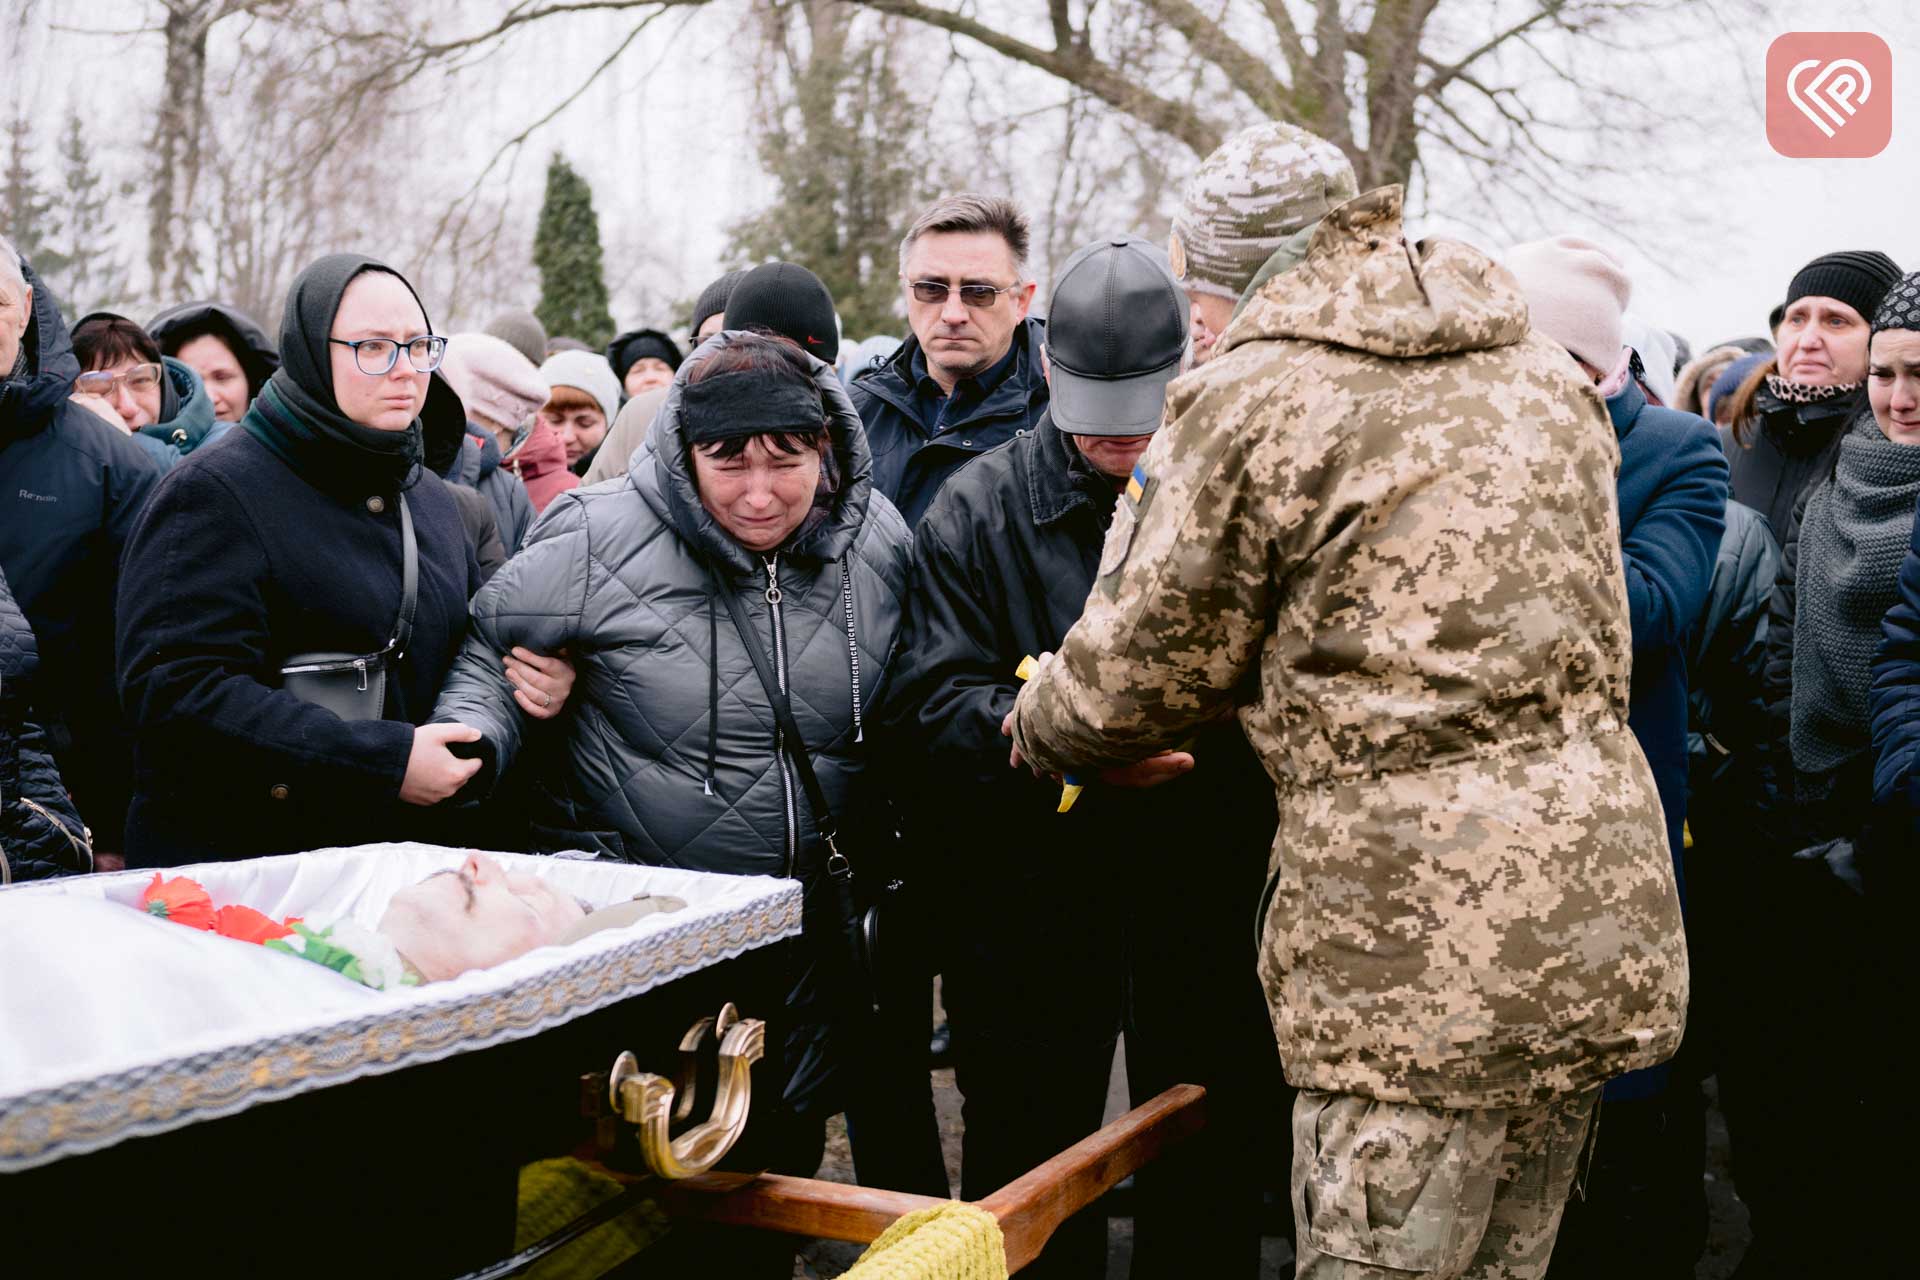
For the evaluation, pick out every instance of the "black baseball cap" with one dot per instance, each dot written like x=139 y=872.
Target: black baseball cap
x=1116 y=330
x=787 y=299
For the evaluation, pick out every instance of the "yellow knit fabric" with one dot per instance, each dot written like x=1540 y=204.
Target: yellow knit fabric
x=953 y=1241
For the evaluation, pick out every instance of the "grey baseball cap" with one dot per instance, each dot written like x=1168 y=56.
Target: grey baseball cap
x=1116 y=329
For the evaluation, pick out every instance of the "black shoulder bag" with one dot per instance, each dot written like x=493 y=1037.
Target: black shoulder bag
x=354 y=686
x=860 y=928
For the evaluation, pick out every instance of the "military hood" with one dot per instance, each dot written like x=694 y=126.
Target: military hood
x=663 y=474
x=1362 y=285
x=29 y=402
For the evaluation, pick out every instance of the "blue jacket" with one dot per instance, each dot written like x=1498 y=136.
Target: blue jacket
x=1894 y=702
x=191 y=425
x=1673 y=503
x=909 y=465
x=71 y=487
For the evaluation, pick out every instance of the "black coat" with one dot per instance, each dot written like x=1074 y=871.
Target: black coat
x=71 y=487
x=1002 y=565
x=40 y=834
x=1788 y=452
x=908 y=465
x=1895 y=698
x=1726 y=657
x=239 y=564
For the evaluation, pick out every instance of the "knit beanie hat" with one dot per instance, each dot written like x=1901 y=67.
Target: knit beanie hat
x=1577 y=294
x=1259 y=187
x=1857 y=277
x=635 y=345
x=791 y=301
x=713 y=300
x=498 y=386
x=1900 y=309
x=522 y=331
x=587 y=371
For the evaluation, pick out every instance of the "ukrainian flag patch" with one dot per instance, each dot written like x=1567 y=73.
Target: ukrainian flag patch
x=1137 y=484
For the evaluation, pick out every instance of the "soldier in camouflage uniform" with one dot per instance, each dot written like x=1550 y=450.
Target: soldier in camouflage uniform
x=1381 y=527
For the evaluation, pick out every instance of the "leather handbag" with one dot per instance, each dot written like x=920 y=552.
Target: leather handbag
x=354 y=685
x=859 y=922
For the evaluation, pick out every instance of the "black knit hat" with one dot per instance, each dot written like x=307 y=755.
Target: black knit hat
x=1857 y=277
x=789 y=300
x=1900 y=309
x=713 y=300
x=636 y=345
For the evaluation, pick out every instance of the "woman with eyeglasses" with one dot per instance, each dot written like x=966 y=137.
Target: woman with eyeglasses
x=157 y=399
x=288 y=541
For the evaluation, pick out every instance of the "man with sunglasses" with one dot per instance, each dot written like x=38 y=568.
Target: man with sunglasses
x=969 y=378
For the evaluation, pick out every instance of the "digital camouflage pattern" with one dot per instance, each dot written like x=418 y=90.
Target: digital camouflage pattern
x=1387 y=1190
x=1260 y=186
x=1381 y=522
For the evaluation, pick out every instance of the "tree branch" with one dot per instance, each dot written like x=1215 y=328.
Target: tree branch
x=1073 y=65
x=1245 y=72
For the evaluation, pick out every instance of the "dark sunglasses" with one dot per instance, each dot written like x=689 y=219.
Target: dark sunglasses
x=977 y=296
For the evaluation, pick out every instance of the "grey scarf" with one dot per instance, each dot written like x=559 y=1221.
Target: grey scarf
x=1852 y=539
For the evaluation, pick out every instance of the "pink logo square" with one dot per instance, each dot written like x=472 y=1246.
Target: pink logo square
x=1829 y=94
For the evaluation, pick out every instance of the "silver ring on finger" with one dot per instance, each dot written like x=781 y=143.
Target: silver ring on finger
x=546 y=700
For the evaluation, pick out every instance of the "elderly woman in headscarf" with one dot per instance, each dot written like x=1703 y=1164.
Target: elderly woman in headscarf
x=745 y=562
x=1821 y=983
x=291 y=540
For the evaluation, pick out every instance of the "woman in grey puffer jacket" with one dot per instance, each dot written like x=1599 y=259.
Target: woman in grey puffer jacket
x=754 y=479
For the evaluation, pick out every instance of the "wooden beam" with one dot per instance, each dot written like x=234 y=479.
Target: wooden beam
x=795 y=1206
x=1032 y=1207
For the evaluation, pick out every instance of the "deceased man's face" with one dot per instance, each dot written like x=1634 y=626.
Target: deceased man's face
x=474 y=916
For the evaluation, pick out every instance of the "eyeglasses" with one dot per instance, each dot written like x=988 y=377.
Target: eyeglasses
x=977 y=296
x=140 y=379
x=376 y=357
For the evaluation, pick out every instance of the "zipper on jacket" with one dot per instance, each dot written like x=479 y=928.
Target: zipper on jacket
x=779 y=736
x=853 y=643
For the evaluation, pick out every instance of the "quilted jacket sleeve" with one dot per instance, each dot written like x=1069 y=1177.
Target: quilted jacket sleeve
x=1894 y=699
x=536 y=601
x=40 y=831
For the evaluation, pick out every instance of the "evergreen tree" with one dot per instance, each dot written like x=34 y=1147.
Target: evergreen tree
x=566 y=249
x=95 y=272
x=843 y=144
x=26 y=209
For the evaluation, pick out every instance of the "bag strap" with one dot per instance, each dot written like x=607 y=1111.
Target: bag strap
x=409 y=583
x=796 y=746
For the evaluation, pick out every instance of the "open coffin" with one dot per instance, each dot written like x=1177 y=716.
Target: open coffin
x=189 y=1077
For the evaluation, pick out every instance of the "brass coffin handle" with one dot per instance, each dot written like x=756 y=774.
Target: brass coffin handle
x=646 y=1101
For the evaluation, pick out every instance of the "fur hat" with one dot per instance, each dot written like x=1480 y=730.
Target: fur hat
x=498 y=385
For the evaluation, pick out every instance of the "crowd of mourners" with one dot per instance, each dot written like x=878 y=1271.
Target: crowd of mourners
x=1406 y=691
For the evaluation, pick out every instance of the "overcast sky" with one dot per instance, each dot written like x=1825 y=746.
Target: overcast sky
x=665 y=139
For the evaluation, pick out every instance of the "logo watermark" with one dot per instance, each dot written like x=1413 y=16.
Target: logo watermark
x=1829 y=95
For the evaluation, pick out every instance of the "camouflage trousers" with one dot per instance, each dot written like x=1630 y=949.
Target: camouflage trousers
x=1389 y=1190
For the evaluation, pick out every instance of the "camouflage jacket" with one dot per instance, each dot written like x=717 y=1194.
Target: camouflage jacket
x=1382 y=523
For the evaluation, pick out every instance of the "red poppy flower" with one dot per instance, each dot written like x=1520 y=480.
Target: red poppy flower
x=180 y=900
x=247 y=925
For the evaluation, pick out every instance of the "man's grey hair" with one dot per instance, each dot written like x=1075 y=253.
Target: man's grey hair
x=969 y=211
x=14 y=280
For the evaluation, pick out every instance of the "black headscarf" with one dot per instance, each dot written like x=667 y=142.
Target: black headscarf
x=297 y=417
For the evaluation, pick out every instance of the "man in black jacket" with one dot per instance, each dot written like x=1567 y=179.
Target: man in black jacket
x=71 y=487
x=1134 y=905
x=969 y=379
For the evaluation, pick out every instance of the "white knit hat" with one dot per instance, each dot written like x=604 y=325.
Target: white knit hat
x=1577 y=293
x=588 y=371
x=496 y=384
